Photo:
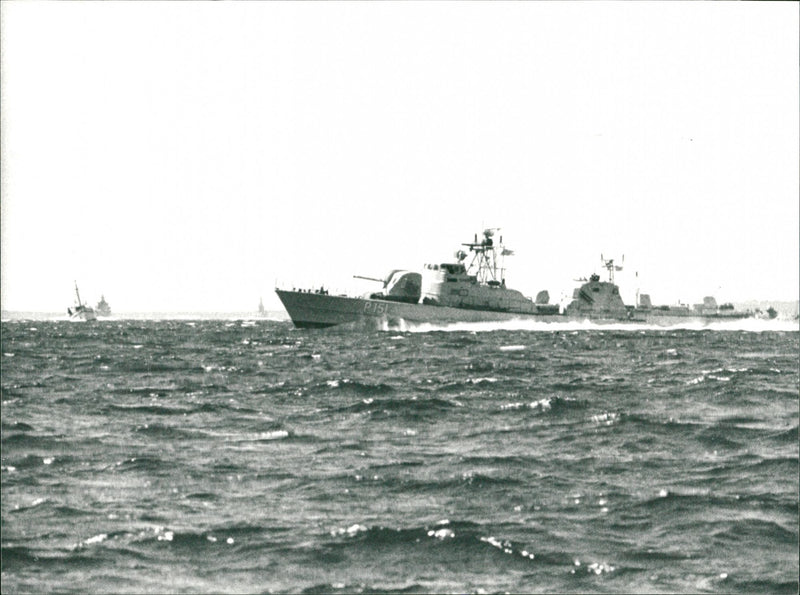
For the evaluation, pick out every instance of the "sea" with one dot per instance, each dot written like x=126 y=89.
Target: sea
x=247 y=456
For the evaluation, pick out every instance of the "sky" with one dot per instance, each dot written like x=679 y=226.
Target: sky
x=192 y=156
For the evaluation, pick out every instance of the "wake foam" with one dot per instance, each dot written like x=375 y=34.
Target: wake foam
x=744 y=324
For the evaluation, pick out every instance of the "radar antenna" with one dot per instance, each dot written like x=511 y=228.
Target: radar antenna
x=486 y=261
x=611 y=267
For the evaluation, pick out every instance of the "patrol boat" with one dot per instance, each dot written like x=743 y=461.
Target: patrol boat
x=600 y=301
x=471 y=289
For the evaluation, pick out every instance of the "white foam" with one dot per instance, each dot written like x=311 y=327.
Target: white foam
x=742 y=324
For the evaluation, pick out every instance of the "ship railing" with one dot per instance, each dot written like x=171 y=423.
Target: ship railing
x=313 y=287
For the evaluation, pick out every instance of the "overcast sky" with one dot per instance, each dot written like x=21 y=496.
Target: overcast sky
x=185 y=157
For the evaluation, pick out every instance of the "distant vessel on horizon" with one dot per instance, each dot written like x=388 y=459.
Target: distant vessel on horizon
x=102 y=308
x=80 y=311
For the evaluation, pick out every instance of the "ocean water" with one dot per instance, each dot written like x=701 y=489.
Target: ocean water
x=246 y=456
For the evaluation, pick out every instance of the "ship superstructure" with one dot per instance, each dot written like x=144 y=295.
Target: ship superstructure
x=481 y=284
x=598 y=301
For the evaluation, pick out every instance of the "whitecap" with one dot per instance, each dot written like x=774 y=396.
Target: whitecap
x=543 y=404
x=96 y=539
x=273 y=435
x=512 y=347
x=441 y=534
x=351 y=530
x=511 y=406
x=605 y=418
x=599 y=568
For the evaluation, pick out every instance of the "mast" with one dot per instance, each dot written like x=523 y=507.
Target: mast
x=485 y=260
x=77 y=293
x=610 y=267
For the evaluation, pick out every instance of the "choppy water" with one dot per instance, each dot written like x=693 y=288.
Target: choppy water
x=247 y=456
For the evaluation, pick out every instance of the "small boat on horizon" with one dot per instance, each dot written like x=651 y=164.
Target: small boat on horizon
x=102 y=308
x=80 y=311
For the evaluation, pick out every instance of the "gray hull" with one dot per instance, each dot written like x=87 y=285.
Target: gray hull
x=83 y=314
x=673 y=318
x=314 y=310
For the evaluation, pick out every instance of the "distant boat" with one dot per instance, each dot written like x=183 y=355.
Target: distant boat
x=261 y=310
x=103 y=309
x=80 y=311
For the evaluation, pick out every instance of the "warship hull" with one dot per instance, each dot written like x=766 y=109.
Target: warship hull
x=656 y=319
x=673 y=318
x=317 y=310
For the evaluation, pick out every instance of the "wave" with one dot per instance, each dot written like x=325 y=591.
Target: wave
x=150 y=409
x=407 y=407
x=764 y=586
x=552 y=406
x=449 y=542
x=756 y=531
x=790 y=436
x=16 y=426
x=148 y=463
x=359 y=388
x=468 y=480
x=165 y=432
x=386 y=587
